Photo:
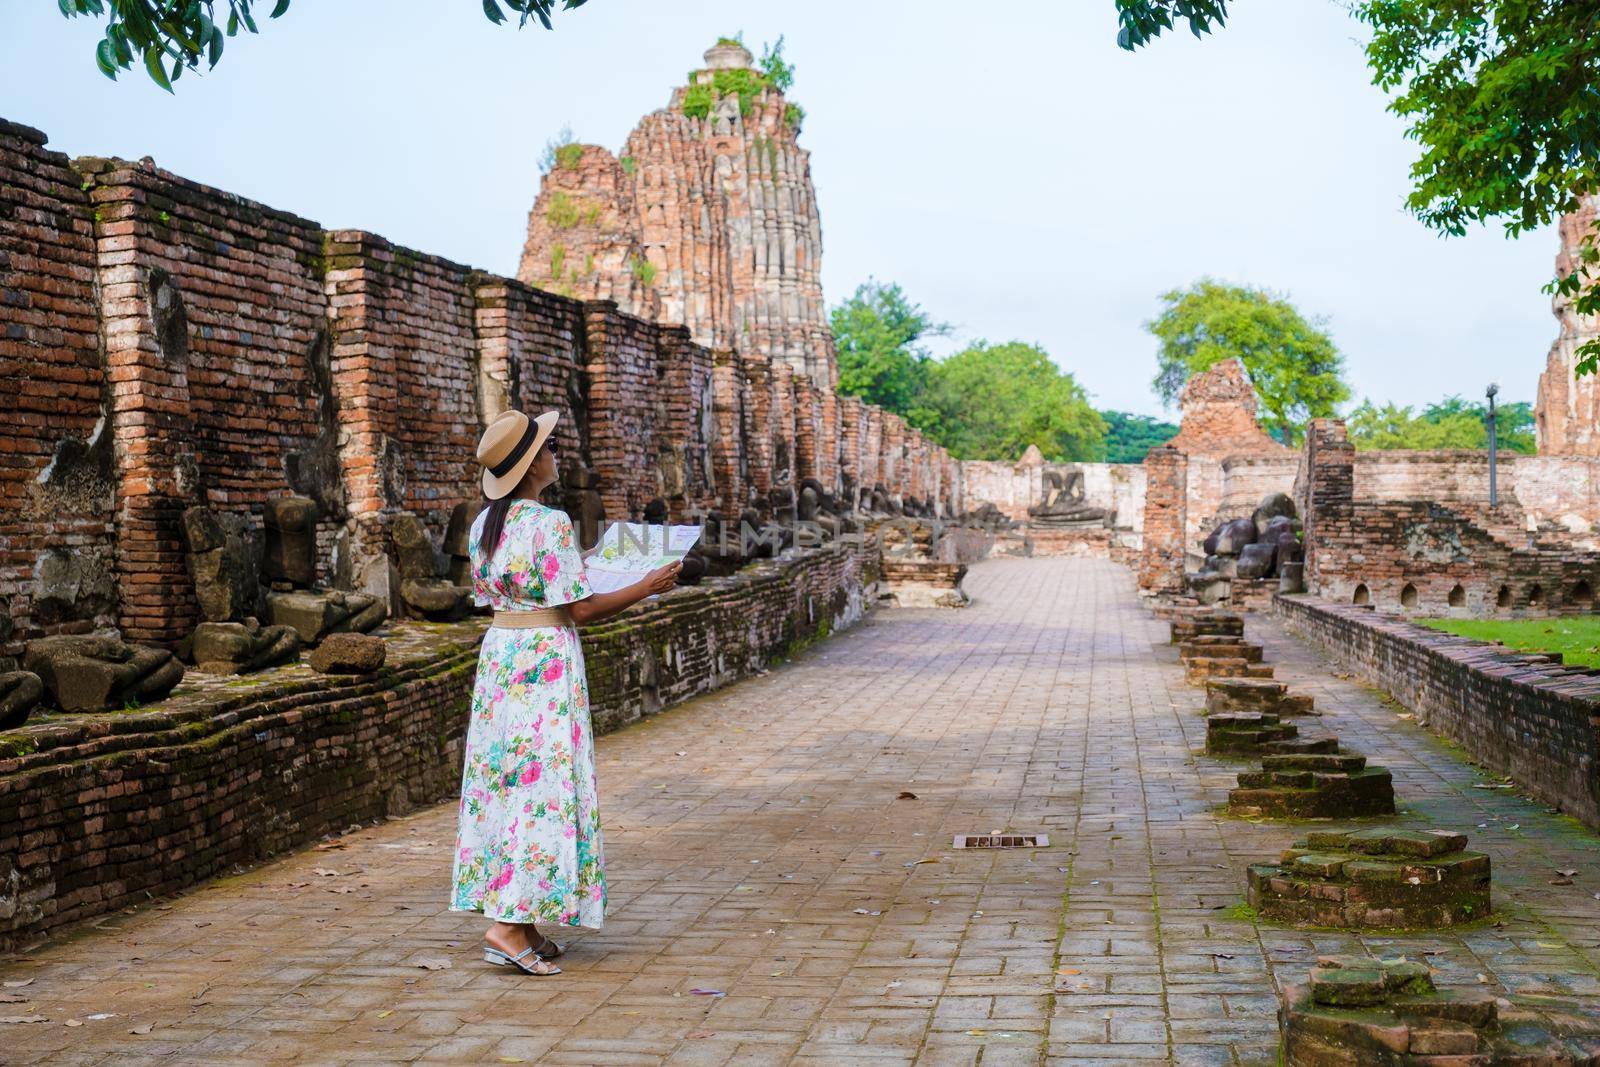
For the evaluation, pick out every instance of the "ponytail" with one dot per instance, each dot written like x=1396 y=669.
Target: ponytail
x=494 y=525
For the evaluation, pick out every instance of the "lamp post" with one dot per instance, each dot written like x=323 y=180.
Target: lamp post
x=1494 y=496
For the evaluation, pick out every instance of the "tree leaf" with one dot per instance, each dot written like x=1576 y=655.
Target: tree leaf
x=492 y=11
x=283 y=5
x=152 y=64
x=105 y=56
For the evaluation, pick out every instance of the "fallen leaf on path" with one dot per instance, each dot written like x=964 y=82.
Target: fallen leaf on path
x=906 y=794
x=143 y=1028
x=328 y=846
x=433 y=964
x=74 y=1022
x=1567 y=874
x=18 y=983
x=1561 y=881
x=10 y=1019
x=385 y=1014
x=696 y=1035
x=512 y=1059
x=297 y=885
x=13 y=998
x=1068 y=970
x=977 y=1033
x=707 y=992
x=324 y=872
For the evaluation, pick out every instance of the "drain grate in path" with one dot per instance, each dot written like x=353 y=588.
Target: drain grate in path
x=1001 y=841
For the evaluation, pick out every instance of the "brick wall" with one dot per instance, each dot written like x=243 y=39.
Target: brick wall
x=1422 y=557
x=56 y=465
x=1533 y=721
x=171 y=344
x=105 y=811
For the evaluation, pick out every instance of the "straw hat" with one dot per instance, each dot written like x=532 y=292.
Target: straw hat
x=507 y=448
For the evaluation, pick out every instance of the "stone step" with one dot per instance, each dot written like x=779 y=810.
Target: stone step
x=1201 y=668
x=1308 y=794
x=1196 y=623
x=1254 y=694
x=1248 y=651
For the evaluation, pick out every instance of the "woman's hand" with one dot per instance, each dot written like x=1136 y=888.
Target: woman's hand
x=662 y=579
x=599 y=607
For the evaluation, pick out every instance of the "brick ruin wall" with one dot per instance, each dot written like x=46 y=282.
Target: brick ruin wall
x=1531 y=721
x=1426 y=555
x=167 y=344
x=101 y=812
x=1567 y=408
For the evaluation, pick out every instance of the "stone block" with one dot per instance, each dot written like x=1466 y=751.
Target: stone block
x=436 y=599
x=1198 y=669
x=349 y=653
x=1254 y=694
x=1256 y=560
x=242 y=647
x=1226 y=648
x=415 y=555
x=1232 y=536
x=90 y=673
x=1313 y=786
x=20 y=693
x=224 y=558
x=290 y=553
x=1361 y=1012
x=315 y=615
x=1377 y=878
x=1199 y=623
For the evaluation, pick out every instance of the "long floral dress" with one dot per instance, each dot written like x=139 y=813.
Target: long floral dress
x=528 y=843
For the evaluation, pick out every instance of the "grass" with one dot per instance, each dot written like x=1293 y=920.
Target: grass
x=1576 y=637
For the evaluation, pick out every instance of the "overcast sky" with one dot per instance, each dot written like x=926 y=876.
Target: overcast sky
x=1015 y=171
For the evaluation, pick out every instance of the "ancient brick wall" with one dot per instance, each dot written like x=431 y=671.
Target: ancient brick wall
x=56 y=467
x=532 y=356
x=1567 y=408
x=406 y=380
x=170 y=344
x=1162 y=557
x=216 y=333
x=1533 y=721
x=102 y=811
x=1421 y=556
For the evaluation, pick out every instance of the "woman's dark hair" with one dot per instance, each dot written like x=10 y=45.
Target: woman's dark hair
x=494 y=519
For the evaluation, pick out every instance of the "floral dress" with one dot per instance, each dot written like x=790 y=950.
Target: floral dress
x=528 y=837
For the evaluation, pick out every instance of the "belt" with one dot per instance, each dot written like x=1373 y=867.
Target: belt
x=532 y=620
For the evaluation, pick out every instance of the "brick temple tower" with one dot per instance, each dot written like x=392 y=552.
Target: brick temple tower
x=708 y=219
x=1567 y=411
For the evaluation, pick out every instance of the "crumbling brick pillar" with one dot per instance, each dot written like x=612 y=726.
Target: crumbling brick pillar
x=731 y=428
x=1330 y=495
x=146 y=336
x=1161 y=566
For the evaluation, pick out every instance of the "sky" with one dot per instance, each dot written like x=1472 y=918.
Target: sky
x=1020 y=176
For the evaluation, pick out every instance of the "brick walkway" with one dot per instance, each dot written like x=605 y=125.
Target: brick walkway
x=757 y=847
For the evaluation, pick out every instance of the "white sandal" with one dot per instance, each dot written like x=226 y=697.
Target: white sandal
x=506 y=959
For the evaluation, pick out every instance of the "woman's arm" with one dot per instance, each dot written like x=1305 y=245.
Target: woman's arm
x=598 y=607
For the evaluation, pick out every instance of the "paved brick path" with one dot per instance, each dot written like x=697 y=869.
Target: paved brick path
x=757 y=847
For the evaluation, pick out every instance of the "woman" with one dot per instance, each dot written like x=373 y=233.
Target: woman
x=528 y=837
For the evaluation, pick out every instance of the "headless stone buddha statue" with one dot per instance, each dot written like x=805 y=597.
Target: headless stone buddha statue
x=1064 y=503
x=290 y=566
x=224 y=558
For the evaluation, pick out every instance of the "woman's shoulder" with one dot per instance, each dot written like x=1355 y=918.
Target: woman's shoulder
x=532 y=511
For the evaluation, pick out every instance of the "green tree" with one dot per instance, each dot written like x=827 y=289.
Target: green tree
x=1451 y=423
x=1502 y=96
x=993 y=401
x=878 y=334
x=167 y=37
x=1130 y=437
x=1292 y=362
